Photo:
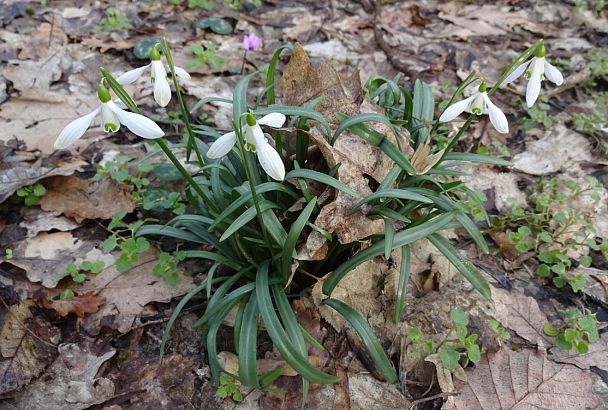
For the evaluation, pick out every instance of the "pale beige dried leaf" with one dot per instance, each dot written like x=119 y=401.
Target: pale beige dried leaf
x=423 y=160
x=596 y=357
x=523 y=379
x=521 y=314
x=444 y=376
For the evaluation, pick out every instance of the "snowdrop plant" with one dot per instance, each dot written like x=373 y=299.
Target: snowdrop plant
x=250 y=221
x=158 y=76
x=535 y=71
x=111 y=118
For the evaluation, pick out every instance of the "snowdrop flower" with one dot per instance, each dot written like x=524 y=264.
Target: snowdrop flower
x=255 y=141
x=111 y=118
x=251 y=42
x=162 y=90
x=478 y=103
x=537 y=69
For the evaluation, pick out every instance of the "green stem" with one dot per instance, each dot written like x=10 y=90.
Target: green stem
x=163 y=145
x=182 y=106
x=250 y=179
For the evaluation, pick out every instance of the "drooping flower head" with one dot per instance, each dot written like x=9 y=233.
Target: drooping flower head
x=256 y=142
x=536 y=69
x=251 y=42
x=162 y=90
x=478 y=103
x=111 y=118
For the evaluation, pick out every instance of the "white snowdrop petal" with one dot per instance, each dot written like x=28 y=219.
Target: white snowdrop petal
x=137 y=123
x=497 y=117
x=533 y=88
x=553 y=74
x=75 y=130
x=517 y=72
x=456 y=109
x=132 y=75
x=222 y=145
x=274 y=120
x=162 y=90
x=109 y=120
x=270 y=161
x=181 y=73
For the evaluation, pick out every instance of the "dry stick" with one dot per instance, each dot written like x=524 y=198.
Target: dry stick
x=398 y=65
x=436 y=396
x=24 y=326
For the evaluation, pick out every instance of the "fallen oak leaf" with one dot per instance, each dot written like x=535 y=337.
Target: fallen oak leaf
x=80 y=305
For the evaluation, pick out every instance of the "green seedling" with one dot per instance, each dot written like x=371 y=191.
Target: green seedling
x=31 y=194
x=578 y=330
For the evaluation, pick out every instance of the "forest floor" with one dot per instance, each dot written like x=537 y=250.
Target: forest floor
x=101 y=348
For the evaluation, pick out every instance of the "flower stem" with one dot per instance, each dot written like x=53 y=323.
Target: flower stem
x=523 y=57
x=182 y=106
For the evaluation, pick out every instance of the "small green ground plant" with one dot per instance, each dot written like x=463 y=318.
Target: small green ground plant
x=557 y=235
x=31 y=194
x=577 y=330
x=114 y=21
x=78 y=274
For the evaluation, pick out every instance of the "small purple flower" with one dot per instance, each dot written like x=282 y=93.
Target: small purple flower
x=251 y=42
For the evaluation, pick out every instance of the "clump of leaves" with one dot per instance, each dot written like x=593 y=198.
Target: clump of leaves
x=537 y=115
x=454 y=352
x=594 y=121
x=551 y=230
x=577 y=331
x=123 y=238
x=114 y=21
x=229 y=387
x=31 y=194
x=78 y=274
x=205 y=55
x=166 y=266
x=201 y=4
x=502 y=334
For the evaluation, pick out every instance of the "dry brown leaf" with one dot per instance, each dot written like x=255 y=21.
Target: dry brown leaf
x=36 y=221
x=83 y=199
x=597 y=356
x=24 y=173
x=301 y=82
x=40 y=40
x=80 y=305
x=70 y=383
x=523 y=380
x=521 y=314
x=596 y=282
x=107 y=44
x=23 y=356
x=422 y=160
x=127 y=293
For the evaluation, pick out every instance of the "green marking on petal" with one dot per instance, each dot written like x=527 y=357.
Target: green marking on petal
x=109 y=127
x=250 y=147
x=476 y=110
x=528 y=74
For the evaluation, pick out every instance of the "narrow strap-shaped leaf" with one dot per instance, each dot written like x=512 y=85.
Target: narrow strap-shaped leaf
x=358 y=119
x=239 y=97
x=270 y=74
x=321 y=177
x=389 y=236
x=401 y=238
x=368 y=337
x=211 y=338
x=394 y=193
x=389 y=213
x=248 y=343
x=465 y=267
x=274 y=228
x=292 y=238
x=245 y=217
x=216 y=257
x=236 y=294
x=295 y=111
x=472 y=229
x=278 y=335
x=404 y=276
x=476 y=158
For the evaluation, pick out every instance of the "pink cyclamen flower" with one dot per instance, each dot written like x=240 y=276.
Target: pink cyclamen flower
x=251 y=42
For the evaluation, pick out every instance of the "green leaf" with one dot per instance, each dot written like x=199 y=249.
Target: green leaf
x=248 y=344
x=245 y=218
x=571 y=334
x=558 y=268
x=143 y=48
x=450 y=358
x=239 y=102
x=459 y=317
x=543 y=270
x=577 y=282
x=414 y=333
x=278 y=335
x=270 y=74
x=370 y=340
x=393 y=193
x=389 y=235
x=474 y=353
x=550 y=330
x=67 y=294
x=401 y=238
x=292 y=238
x=472 y=229
x=323 y=178
x=476 y=158
x=581 y=347
x=562 y=343
x=295 y=111
x=216 y=24
x=545 y=237
x=464 y=266
x=585 y=261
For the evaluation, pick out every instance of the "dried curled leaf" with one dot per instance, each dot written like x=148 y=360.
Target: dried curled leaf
x=80 y=305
